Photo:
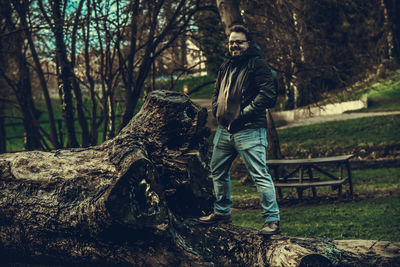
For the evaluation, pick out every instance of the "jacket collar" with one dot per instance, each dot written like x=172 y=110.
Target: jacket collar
x=253 y=51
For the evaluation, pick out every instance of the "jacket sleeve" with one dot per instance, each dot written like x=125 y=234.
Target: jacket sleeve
x=214 y=103
x=266 y=96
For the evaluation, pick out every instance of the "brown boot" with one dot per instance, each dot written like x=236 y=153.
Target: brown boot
x=270 y=228
x=215 y=218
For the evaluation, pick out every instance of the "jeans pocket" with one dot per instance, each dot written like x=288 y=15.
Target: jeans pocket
x=250 y=138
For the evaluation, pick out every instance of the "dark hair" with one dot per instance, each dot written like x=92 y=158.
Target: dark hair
x=242 y=29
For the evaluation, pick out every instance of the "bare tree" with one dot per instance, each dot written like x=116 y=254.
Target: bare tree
x=86 y=29
x=162 y=23
x=110 y=29
x=22 y=9
x=3 y=143
x=319 y=46
x=392 y=9
x=17 y=76
x=107 y=45
x=75 y=85
x=54 y=15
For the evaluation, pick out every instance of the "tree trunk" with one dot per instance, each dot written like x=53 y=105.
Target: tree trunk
x=130 y=201
x=3 y=137
x=66 y=75
x=230 y=13
x=75 y=84
x=26 y=103
x=111 y=115
x=132 y=93
x=80 y=112
x=19 y=79
x=93 y=102
x=393 y=9
x=22 y=10
x=274 y=147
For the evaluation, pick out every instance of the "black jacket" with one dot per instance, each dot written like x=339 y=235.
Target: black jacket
x=258 y=91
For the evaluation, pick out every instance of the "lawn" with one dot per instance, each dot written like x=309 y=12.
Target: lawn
x=342 y=134
x=382 y=93
x=375 y=219
x=195 y=82
x=371 y=218
x=384 y=96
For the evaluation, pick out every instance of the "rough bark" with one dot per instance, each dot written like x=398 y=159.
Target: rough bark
x=130 y=200
x=230 y=13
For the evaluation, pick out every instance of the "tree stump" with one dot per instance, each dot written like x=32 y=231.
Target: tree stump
x=130 y=200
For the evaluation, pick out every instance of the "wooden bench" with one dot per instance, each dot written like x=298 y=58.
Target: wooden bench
x=302 y=177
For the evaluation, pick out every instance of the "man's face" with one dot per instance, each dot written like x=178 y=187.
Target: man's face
x=237 y=44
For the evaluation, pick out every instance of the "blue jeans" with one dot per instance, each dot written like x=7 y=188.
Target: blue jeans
x=251 y=145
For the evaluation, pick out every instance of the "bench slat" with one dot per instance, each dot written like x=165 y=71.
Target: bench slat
x=312 y=184
x=334 y=159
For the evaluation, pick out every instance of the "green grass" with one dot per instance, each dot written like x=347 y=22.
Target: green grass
x=367 y=219
x=204 y=92
x=383 y=92
x=373 y=181
x=376 y=219
x=342 y=134
x=242 y=192
x=192 y=83
x=384 y=96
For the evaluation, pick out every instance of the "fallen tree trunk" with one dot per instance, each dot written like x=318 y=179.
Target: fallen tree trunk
x=130 y=200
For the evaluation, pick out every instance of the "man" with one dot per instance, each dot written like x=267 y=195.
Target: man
x=244 y=89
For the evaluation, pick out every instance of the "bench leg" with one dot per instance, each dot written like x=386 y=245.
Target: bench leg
x=300 y=193
x=349 y=178
x=300 y=190
x=313 y=189
x=280 y=193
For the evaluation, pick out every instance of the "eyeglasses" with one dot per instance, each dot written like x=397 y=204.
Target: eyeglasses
x=238 y=42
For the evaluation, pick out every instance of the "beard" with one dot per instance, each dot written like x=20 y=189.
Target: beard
x=236 y=51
